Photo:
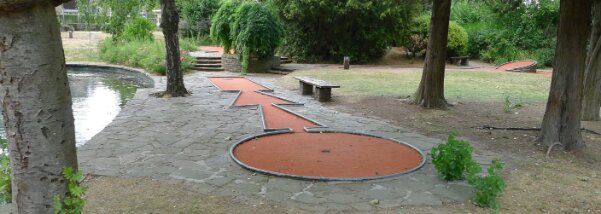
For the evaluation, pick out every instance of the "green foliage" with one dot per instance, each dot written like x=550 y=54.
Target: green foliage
x=197 y=16
x=139 y=28
x=325 y=30
x=507 y=30
x=487 y=188
x=148 y=55
x=452 y=159
x=255 y=32
x=417 y=38
x=112 y=15
x=5 y=172
x=221 y=24
x=73 y=201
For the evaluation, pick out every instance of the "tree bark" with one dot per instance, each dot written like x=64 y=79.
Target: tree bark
x=169 y=24
x=430 y=93
x=36 y=102
x=561 y=123
x=592 y=84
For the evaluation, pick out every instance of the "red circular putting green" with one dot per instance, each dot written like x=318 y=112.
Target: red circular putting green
x=335 y=156
x=295 y=152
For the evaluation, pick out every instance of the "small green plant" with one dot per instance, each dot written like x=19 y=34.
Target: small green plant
x=5 y=171
x=73 y=201
x=487 y=188
x=452 y=159
x=509 y=103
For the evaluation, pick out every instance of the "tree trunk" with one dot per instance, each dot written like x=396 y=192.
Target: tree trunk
x=592 y=84
x=561 y=123
x=36 y=104
x=169 y=24
x=430 y=93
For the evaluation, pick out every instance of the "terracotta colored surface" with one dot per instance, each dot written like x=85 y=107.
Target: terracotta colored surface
x=273 y=116
x=328 y=155
x=516 y=64
x=331 y=155
x=212 y=49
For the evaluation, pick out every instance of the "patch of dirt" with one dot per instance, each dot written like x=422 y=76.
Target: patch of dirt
x=143 y=195
x=561 y=183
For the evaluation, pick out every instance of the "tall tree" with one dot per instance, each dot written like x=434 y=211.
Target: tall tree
x=430 y=93
x=591 y=100
x=36 y=103
x=169 y=23
x=561 y=123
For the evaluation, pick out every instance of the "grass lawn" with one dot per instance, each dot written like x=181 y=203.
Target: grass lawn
x=460 y=85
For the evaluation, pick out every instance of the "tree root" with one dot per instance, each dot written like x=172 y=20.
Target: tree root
x=486 y=127
x=551 y=148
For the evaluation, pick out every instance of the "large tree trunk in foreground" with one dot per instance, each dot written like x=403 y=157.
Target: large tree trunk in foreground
x=36 y=104
x=430 y=93
x=592 y=84
x=561 y=123
x=169 y=23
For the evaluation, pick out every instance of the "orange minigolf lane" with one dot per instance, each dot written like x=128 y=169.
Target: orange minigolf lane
x=313 y=155
x=274 y=117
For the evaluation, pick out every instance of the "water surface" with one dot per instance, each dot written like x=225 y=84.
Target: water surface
x=97 y=99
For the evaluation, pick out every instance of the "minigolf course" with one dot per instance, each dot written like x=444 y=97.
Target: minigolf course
x=298 y=147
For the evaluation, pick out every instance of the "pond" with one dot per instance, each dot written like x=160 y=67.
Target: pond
x=97 y=96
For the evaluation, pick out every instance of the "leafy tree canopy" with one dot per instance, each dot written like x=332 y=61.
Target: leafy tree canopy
x=327 y=30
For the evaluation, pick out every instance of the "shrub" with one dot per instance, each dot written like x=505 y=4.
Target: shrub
x=487 y=188
x=452 y=159
x=417 y=39
x=221 y=24
x=362 y=30
x=148 y=55
x=197 y=16
x=255 y=31
x=5 y=171
x=138 y=28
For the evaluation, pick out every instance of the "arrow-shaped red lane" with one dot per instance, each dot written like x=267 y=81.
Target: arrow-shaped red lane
x=250 y=94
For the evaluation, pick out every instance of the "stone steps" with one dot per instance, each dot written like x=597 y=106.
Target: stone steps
x=208 y=63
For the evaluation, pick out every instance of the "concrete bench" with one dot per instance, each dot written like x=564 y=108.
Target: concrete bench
x=460 y=60
x=323 y=90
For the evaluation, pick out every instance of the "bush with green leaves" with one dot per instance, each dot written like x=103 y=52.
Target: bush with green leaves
x=221 y=24
x=138 y=28
x=453 y=158
x=326 y=31
x=148 y=55
x=72 y=202
x=500 y=32
x=255 y=31
x=417 y=38
x=196 y=15
x=5 y=172
x=487 y=188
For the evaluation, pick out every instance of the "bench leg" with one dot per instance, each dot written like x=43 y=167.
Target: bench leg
x=323 y=94
x=306 y=89
x=465 y=62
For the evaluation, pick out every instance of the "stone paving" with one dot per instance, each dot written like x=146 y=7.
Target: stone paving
x=187 y=140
